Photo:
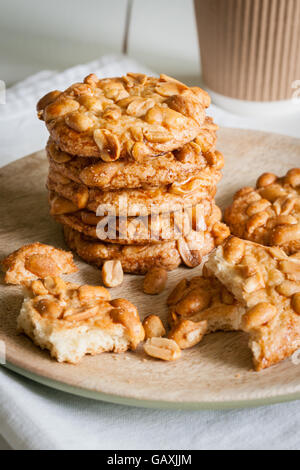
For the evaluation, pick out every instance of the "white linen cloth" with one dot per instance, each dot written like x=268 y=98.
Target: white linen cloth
x=35 y=417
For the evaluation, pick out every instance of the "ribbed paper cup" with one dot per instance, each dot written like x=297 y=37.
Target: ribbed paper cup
x=250 y=49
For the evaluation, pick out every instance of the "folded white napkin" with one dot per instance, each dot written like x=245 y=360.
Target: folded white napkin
x=35 y=417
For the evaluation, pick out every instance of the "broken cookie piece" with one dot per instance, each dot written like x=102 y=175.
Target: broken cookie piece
x=71 y=320
x=204 y=299
x=266 y=283
x=270 y=213
x=37 y=261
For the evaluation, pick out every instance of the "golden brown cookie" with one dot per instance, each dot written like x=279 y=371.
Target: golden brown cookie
x=135 y=202
x=266 y=282
x=140 y=259
x=142 y=230
x=133 y=116
x=269 y=214
x=204 y=299
x=176 y=166
x=37 y=261
x=71 y=320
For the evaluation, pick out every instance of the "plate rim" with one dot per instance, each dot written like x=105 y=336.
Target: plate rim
x=151 y=404
x=146 y=403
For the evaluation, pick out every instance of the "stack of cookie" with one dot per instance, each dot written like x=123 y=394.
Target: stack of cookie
x=133 y=171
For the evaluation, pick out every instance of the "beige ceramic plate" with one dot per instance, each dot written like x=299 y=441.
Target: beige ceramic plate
x=215 y=374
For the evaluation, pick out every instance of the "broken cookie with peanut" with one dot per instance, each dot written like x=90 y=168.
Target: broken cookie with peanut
x=245 y=287
x=265 y=281
x=72 y=320
x=37 y=261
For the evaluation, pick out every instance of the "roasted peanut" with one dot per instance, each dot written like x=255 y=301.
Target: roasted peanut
x=258 y=206
x=291 y=267
x=139 y=106
x=220 y=232
x=112 y=273
x=60 y=205
x=46 y=100
x=153 y=327
x=285 y=220
x=265 y=180
x=55 y=285
x=256 y=221
x=272 y=192
x=188 y=333
x=155 y=281
x=91 y=294
x=108 y=145
x=190 y=257
x=253 y=283
x=293 y=177
x=285 y=233
x=259 y=315
x=194 y=302
x=78 y=121
x=60 y=108
x=49 y=308
x=162 y=348
x=80 y=313
x=234 y=250
x=38 y=288
x=288 y=288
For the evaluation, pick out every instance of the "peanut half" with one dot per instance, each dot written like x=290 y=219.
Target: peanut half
x=162 y=348
x=112 y=273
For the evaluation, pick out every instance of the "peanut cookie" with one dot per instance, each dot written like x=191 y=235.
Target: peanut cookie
x=133 y=116
x=176 y=166
x=71 y=320
x=140 y=230
x=140 y=259
x=269 y=214
x=204 y=299
x=134 y=202
x=266 y=283
x=37 y=261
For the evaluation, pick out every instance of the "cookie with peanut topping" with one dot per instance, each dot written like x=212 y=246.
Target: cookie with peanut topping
x=134 y=202
x=133 y=116
x=176 y=166
x=270 y=213
x=139 y=259
x=203 y=299
x=266 y=283
x=142 y=230
x=71 y=320
x=37 y=261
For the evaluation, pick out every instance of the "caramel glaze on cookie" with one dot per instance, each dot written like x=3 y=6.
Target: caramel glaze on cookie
x=133 y=116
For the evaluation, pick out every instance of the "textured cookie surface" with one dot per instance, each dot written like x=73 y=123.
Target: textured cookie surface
x=269 y=214
x=134 y=202
x=142 y=230
x=141 y=258
x=71 y=320
x=176 y=166
x=36 y=261
x=133 y=116
x=266 y=282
